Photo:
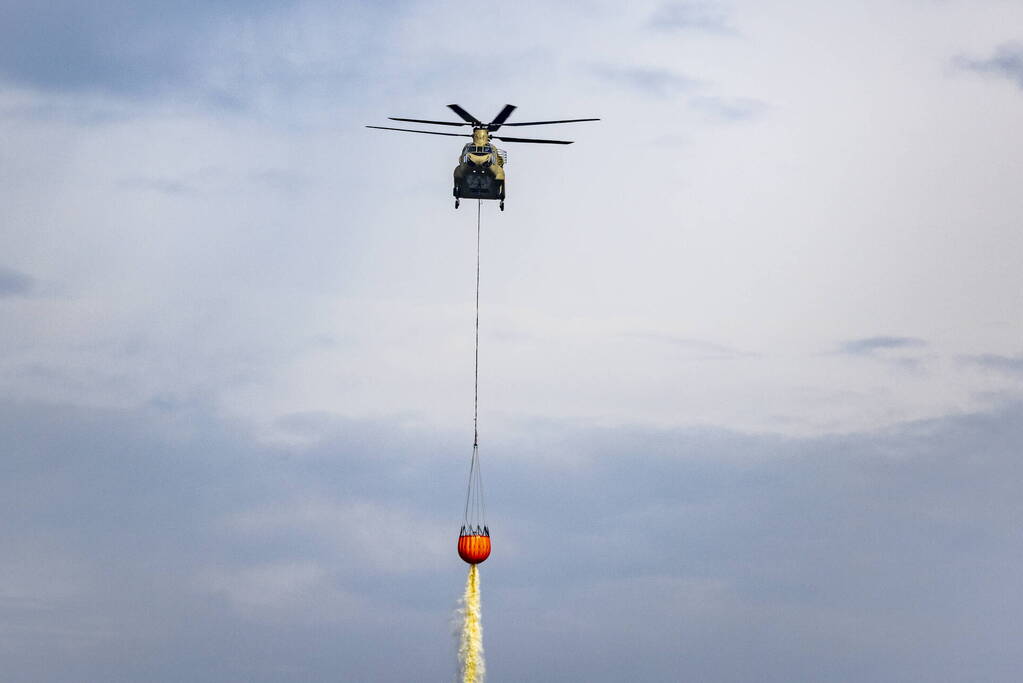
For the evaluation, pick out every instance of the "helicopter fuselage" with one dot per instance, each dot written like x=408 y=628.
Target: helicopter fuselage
x=480 y=170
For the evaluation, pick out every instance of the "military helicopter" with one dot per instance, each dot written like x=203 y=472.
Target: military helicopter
x=480 y=170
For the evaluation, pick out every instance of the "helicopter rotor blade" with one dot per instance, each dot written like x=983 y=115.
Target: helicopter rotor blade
x=544 y=123
x=426 y=132
x=464 y=115
x=501 y=117
x=436 y=123
x=545 y=142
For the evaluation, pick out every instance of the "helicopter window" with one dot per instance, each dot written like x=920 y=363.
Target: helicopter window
x=481 y=149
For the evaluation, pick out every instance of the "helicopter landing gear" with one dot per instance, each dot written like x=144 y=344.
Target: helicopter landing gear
x=456 y=202
x=502 y=205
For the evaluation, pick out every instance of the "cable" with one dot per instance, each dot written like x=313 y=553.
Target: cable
x=474 y=491
x=476 y=370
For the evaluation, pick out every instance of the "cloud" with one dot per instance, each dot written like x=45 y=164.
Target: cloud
x=697 y=349
x=729 y=108
x=270 y=585
x=262 y=267
x=653 y=81
x=1006 y=61
x=15 y=283
x=283 y=181
x=160 y=185
x=700 y=16
x=223 y=54
x=122 y=47
x=173 y=546
x=1012 y=365
x=868 y=345
x=664 y=83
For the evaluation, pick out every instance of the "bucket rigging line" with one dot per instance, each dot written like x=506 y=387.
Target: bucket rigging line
x=475 y=511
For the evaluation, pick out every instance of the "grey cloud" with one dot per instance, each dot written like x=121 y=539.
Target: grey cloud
x=868 y=345
x=659 y=82
x=15 y=283
x=729 y=108
x=161 y=185
x=1006 y=61
x=1008 y=364
x=702 y=16
x=124 y=47
x=167 y=545
x=697 y=348
x=276 y=180
x=286 y=182
x=76 y=110
x=649 y=80
x=140 y=49
x=156 y=582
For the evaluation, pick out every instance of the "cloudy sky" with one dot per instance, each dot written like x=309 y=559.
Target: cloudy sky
x=751 y=353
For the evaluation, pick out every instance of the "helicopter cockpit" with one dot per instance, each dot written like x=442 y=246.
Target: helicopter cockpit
x=481 y=155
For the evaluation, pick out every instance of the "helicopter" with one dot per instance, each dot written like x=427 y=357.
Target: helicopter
x=480 y=170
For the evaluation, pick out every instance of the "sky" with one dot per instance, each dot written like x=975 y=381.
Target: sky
x=751 y=371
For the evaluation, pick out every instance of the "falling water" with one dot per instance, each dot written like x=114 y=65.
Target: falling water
x=470 y=651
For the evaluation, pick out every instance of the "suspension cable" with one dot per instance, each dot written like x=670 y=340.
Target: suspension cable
x=474 y=491
x=476 y=369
